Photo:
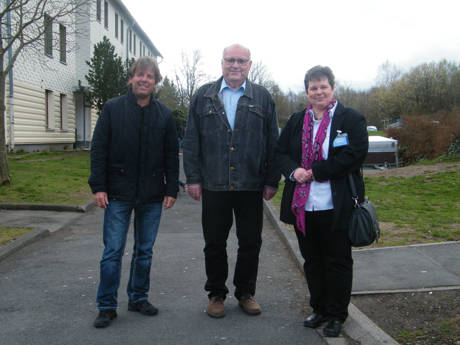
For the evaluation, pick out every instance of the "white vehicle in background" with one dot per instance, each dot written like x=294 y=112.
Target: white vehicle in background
x=371 y=129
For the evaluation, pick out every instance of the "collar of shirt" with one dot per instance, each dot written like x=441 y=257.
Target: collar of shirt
x=230 y=99
x=331 y=114
x=224 y=85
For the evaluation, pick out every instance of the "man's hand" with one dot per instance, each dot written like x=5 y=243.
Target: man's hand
x=269 y=193
x=168 y=202
x=101 y=200
x=194 y=190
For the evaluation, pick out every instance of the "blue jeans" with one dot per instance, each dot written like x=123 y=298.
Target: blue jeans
x=116 y=223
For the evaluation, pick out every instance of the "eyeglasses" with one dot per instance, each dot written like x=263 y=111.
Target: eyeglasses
x=231 y=61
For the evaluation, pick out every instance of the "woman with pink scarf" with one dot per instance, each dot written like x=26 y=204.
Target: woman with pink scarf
x=317 y=149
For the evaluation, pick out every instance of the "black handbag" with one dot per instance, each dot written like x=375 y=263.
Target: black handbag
x=363 y=228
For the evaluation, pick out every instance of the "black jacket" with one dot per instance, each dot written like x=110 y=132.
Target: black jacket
x=221 y=159
x=340 y=162
x=134 y=151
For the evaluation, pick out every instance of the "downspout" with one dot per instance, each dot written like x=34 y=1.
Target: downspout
x=10 y=76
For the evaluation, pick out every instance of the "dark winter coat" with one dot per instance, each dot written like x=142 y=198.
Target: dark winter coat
x=134 y=151
x=340 y=162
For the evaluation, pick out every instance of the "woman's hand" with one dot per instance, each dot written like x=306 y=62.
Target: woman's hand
x=302 y=175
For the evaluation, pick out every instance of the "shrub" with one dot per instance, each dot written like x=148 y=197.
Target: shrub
x=427 y=137
x=454 y=147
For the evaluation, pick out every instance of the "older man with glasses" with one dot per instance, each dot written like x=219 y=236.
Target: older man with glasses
x=229 y=146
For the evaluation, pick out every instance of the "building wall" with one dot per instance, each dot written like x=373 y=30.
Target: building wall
x=30 y=119
x=35 y=73
x=92 y=31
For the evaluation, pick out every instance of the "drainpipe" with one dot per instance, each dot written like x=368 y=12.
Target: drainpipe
x=10 y=75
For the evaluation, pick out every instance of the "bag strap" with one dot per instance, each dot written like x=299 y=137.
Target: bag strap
x=354 y=194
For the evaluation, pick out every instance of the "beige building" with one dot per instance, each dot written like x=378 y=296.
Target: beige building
x=46 y=109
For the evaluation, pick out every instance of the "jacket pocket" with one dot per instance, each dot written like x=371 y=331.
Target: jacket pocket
x=116 y=169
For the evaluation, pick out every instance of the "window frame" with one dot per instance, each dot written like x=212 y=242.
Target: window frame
x=106 y=14
x=63 y=111
x=62 y=44
x=122 y=28
x=49 y=111
x=116 y=25
x=134 y=45
x=98 y=10
x=48 y=35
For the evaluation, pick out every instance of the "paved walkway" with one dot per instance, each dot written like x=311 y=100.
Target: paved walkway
x=48 y=288
x=394 y=269
x=64 y=267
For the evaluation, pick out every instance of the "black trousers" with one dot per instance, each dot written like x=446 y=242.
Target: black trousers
x=217 y=218
x=328 y=264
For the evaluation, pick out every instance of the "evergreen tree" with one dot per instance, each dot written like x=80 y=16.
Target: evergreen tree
x=107 y=75
x=168 y=94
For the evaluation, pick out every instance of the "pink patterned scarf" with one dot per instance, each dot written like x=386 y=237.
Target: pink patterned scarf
x=310 y=153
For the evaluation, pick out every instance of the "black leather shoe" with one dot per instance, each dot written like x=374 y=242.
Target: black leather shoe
x=314 y=320
x=104 y=318
x=143 y=307
x=333 y=328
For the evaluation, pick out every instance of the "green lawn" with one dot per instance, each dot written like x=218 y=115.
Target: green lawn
x=379 y=133
x=48 y=178
x=8 y=234
x=418 y=209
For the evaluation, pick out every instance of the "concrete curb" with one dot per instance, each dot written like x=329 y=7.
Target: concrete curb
x=358 y=326
x=49 y=207
x=21 y=242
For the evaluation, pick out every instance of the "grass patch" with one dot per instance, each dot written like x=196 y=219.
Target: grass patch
x=419 y=209
x=8 y=234
x=379 y=133
x=48 y=178
x=440 y=159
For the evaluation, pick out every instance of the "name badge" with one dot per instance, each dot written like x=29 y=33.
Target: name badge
x=340 y=140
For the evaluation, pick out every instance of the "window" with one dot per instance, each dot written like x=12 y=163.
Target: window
x=62 y=43
x=134 y=44
x=48 y=35
x=98 y=10
x=130 y=40
x=106 y=14
x=63 y=111
x=49 y=114
x=122 y=25
x=116 y=25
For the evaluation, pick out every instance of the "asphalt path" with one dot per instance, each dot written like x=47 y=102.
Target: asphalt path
x=48 y=289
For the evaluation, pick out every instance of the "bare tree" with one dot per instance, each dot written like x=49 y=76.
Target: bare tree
x=24 y=24
x=260 y=74
x=189 y=77
x=388 y=73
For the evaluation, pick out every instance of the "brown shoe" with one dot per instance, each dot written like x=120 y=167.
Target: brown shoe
x=249 y=305
x=216 y=307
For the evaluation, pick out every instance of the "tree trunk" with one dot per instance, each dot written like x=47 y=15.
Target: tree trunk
x=4 y=170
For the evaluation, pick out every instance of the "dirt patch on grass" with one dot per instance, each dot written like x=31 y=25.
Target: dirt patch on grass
x=418 y=318
x=422 y=318
x=21 y=159
x=414 y=170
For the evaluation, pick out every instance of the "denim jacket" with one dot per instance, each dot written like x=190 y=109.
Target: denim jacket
x=224 y=160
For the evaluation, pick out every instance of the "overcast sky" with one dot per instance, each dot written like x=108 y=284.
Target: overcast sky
x=352 y=37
